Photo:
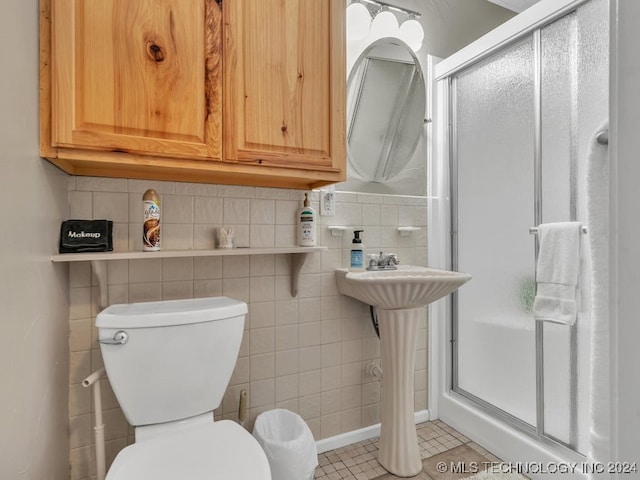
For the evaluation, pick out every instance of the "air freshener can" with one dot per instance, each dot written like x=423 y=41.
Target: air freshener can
x=151 y=219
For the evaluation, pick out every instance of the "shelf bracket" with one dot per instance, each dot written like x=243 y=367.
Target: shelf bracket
x=297 y=260
x=99 y=268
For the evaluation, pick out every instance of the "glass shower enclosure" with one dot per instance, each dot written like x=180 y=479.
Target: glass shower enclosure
x=520 y=122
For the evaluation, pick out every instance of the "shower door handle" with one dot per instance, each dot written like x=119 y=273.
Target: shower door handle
x=120 y=338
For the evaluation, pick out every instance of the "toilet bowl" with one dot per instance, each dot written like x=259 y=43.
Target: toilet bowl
x=217 y=450
x=169 y=364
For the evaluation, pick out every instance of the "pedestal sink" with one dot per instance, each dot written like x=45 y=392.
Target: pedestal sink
x=398 y=296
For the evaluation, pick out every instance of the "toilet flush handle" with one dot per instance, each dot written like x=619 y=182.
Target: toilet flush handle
x=120 y=338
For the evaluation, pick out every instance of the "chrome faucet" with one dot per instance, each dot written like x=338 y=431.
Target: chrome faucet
x=383 y=261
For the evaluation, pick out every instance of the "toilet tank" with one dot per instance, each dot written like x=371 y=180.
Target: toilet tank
x=178 y=357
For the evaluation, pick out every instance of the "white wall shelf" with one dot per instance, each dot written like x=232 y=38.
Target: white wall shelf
x=98 y=261
x=406 y=231
x=338 y=230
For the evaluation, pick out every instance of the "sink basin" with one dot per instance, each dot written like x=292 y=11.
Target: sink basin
x=398 y=294
x=408 y=287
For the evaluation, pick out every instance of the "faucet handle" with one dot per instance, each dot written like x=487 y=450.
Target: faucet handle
x=393 y=259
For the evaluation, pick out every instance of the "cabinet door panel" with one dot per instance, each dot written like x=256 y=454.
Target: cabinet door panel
x=284 y=82
x=142 y=76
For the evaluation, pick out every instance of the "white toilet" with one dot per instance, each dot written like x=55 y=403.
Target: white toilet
x=169 y=364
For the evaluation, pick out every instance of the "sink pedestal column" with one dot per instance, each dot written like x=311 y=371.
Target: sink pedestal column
x=399 y=453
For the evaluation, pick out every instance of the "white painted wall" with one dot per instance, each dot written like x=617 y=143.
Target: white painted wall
x=515 y=5
x=450 y=25
x=33 y=293
x=625 y=227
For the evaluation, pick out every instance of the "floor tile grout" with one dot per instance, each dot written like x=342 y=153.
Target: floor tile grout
x=358 y=461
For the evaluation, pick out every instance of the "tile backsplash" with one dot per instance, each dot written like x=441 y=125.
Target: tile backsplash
x=306 y=354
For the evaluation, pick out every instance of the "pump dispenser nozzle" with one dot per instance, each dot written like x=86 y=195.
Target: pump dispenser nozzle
x=356 y=236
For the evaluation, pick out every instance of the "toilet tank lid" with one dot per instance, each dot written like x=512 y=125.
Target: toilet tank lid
x=170 y=312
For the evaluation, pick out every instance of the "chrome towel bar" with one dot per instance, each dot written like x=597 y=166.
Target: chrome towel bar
x=534 y=230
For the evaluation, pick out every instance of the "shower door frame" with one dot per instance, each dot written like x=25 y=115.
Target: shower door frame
x=529 y=24
x=538 y=429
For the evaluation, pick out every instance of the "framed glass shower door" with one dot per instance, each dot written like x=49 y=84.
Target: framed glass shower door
x=494 y=337
x=521 y=122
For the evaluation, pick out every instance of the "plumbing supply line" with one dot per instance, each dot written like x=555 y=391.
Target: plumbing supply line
x=374 y=319
x=242 y=407
x=94 y=380
x=94 y=377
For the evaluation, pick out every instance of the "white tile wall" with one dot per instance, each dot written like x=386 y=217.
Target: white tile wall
x=306 y=353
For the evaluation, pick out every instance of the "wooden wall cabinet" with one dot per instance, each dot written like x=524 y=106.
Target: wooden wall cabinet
x=248 y=92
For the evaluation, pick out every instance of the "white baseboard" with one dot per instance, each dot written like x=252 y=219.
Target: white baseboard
x=355 y=436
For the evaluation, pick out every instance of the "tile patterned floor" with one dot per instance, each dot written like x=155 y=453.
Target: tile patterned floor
x=438 y=442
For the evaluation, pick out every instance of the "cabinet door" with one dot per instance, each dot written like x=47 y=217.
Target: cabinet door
x=284 y=83
x=141 y=76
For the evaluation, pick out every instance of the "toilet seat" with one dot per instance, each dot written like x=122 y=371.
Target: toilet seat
x=218 y=450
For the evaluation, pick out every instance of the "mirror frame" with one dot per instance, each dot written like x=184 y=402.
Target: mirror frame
x=384 y=41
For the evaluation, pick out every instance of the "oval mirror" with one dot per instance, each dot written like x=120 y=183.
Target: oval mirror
x=386 y=101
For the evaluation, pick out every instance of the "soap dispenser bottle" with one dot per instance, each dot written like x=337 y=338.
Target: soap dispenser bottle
x=357 y=253
x=307 y=224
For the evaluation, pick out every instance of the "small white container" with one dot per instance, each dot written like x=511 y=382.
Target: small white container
x=225 y=237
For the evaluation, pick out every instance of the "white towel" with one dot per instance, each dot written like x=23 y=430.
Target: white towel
x=557 y=272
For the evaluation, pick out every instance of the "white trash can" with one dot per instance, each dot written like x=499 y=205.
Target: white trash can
x=288 y=443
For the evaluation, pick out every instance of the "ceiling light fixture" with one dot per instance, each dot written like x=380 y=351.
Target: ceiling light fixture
x=382 y=4
x=362 y=28
x=358 y=21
